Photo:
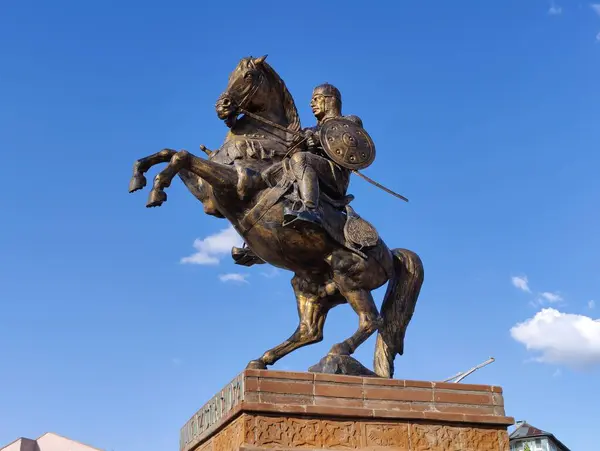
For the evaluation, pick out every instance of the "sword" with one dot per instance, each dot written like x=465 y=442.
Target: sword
x=299 y=135
x=380 y=186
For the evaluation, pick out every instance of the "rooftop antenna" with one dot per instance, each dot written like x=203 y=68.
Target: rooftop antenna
x=460 y=376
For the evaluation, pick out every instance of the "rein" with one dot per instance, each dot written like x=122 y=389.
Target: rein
x=277 y=126
x=268 y=122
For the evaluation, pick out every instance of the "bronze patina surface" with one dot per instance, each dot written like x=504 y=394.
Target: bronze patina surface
x=286 y=194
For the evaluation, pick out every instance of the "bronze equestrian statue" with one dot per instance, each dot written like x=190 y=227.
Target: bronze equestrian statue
x=284 y=190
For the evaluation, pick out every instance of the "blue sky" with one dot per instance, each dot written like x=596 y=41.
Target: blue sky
x=485 y=115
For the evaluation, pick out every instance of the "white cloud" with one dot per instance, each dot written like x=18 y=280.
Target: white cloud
x=210 y=249
x=561 y=338
x=551 y=297
x=555 y=10
x=521 y=283
x=591 y=304
x=233 y=277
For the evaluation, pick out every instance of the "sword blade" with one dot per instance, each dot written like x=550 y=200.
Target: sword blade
x=380 y=186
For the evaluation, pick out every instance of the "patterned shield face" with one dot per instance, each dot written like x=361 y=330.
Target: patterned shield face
x=347 y=144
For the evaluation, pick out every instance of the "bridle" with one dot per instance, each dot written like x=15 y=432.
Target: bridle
x=241 y=108
x=251 y=91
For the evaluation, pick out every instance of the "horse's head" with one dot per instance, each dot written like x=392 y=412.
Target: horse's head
x=250 y=87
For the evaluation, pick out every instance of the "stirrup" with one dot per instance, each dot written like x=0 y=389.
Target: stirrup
x=305 y=215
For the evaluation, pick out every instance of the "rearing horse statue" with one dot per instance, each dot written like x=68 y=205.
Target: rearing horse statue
x=247 y=181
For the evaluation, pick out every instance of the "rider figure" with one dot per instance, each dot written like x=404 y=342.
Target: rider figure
x=313 y=169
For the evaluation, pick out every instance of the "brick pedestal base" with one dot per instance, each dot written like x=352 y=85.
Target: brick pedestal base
x=267 y=410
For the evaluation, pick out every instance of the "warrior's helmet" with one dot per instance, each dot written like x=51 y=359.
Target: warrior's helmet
x=328 y=90
x=333 y=98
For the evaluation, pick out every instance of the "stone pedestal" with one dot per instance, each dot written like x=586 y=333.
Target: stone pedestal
x=275 y=410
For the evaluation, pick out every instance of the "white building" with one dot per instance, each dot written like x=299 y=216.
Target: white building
x=47 y=442
x=529 y=438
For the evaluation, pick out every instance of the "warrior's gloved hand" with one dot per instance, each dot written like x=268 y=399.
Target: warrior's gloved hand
x=312 y=140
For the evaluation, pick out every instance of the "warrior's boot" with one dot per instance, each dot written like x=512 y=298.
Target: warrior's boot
x=245 y=257
x=308 y=186
x=306 y=214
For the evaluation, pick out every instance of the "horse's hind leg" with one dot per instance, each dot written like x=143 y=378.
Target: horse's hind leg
x=313 y=305
x=369 y=321
x=138 y=181
x=354 y=277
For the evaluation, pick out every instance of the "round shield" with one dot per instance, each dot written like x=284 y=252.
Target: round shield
x=347 y=144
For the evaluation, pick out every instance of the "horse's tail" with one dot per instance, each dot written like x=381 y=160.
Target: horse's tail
x=397 y=309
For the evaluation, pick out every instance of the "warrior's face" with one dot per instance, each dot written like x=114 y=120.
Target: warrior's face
x=326 y=101
x=244 y=90
x=318 y=105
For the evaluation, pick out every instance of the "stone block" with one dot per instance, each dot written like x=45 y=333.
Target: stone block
x=266 y=410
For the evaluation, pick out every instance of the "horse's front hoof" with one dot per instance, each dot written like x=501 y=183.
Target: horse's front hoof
x=256 y=365
x=156 y=198
x=136 y=183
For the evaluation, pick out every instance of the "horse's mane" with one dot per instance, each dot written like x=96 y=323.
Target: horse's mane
x=291 y=112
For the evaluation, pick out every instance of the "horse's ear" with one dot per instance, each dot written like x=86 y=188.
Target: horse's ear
x=260 y=60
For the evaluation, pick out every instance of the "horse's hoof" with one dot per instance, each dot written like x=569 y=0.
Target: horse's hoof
x=136 y=183
x=340 y=349
x=256 y=365
x=156 y=198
